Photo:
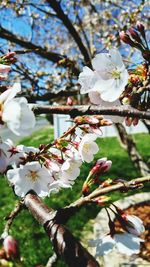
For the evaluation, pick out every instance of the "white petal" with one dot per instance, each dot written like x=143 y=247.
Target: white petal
x=101 y=63
x=127 y=243
x=87 y=80
x=105 y=246
x=116 y=57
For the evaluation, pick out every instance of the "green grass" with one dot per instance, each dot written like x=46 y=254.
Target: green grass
x=34 y=245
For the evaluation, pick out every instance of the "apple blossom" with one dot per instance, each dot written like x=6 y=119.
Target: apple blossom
x=31 y=176
x=16 y=113
x=109 y=77
x=88 y=147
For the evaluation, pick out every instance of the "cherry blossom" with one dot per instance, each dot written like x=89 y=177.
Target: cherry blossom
x=124 y=243
x=133 y=224
x=9 y=155
x=88 y=148
x=22 y=119
x=31 y=176
x=109 y=77
x=70 y=170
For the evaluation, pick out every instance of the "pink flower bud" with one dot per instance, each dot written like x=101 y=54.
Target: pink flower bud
x=91 y=120
x=135 y=35
x=69 y=101
x=141 y=28
x=101 y=166
x=11 y=247
x=9 y=55
x=126 y=38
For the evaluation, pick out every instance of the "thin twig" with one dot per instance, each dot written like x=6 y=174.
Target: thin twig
x=10 y=218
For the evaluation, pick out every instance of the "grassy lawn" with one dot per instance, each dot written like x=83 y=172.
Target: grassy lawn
x=34 y=245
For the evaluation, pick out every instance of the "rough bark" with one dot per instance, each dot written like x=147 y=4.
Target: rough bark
x=80 y=110
x=64 y=243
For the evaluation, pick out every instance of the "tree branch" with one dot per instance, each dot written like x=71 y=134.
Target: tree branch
x=67 y=23
x=48 y=96
x=54 y=57
x=74 y=111
x=64 y=214
x=30 y=47
x=10 y=218
x=63 y=241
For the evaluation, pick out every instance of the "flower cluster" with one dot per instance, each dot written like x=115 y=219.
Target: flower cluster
x=110 y=84
x=137 y=93
x=48 y=168
x=126 y=241
x=136 y=37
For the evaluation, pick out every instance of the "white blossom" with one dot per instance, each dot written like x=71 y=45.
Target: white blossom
x=70 y=170
x=127 y=243
x=109 y=77
x=133 y=224
x=95 y=98
x=9 y=155
x=124 y=243
x=88 y=148
x=16 y=113
x=31 y=176
x=65 y=178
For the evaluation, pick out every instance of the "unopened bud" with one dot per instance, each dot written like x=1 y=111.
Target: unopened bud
x=126 y=38
x=85 y=189
x=135 y=35
x=141 y=28
x=69 y=101
x=11 y=247
x=9 y=55
x=101 y=166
